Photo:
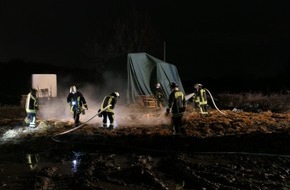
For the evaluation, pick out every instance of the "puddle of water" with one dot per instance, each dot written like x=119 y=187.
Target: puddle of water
x=14 y=166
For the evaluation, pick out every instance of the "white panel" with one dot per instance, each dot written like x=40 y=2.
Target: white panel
x=46 y=84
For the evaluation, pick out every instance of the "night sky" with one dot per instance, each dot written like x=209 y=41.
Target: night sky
x=204 y=39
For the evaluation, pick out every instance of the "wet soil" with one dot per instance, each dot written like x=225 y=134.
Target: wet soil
x=235 y=150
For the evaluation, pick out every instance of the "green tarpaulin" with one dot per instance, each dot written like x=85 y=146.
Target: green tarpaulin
x=144 y=71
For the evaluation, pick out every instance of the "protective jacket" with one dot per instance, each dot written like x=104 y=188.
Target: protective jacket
x=31 y=103
x=176 y=102
x=76 y=100
x=159 y=94
x=109 y=99
x=201 y=98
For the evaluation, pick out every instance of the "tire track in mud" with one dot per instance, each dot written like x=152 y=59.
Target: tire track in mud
x=171 y=162
x=189 y=171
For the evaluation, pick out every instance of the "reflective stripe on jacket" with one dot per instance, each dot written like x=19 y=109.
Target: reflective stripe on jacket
x=109 y=100
x=78 y=98
x=201 y=97
x=31 y=104
x=177 y=102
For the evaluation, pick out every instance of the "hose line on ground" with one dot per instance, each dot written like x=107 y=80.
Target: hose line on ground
x=214 y=102
x=79 y=126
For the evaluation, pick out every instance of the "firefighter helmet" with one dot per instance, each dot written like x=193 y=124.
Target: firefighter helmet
x=33 y=91
x=197 y=85
x=116 y=94
x=173 y=85
x=73 y=89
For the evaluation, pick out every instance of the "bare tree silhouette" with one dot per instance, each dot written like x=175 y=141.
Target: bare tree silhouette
x=132 y=33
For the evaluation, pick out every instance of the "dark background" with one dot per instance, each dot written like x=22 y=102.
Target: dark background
x=227 y=46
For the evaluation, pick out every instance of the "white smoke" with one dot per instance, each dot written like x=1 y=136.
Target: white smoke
x=125 y=115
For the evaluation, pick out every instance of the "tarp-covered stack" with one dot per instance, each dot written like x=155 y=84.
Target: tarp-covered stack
x=144 y=71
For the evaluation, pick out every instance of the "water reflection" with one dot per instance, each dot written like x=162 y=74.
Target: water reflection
x=32 y=160
x=76 y=161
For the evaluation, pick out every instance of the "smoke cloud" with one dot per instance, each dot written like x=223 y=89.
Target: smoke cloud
x=125 y=115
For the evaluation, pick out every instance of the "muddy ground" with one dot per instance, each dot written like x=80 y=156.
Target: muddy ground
x=228 y=150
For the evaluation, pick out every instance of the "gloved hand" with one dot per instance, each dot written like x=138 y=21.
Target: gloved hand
x=86 y=106
x=100 y=114
x=167 y=112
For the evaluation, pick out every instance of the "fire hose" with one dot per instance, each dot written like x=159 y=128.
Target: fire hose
x=79 y=126
x=214 y=102
x=192 y=94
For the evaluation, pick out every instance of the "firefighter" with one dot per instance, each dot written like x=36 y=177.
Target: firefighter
x=77 y=104
x=177 y=106
x=108 y=113
x=31 y=107
x=159 y=95
x=200 y=99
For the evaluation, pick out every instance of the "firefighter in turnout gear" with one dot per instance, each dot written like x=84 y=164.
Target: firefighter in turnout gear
x=200 y=99
x=177 y=106
x=108 y=113
x=77 y=103
x=159 y=95
x=31 y=107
